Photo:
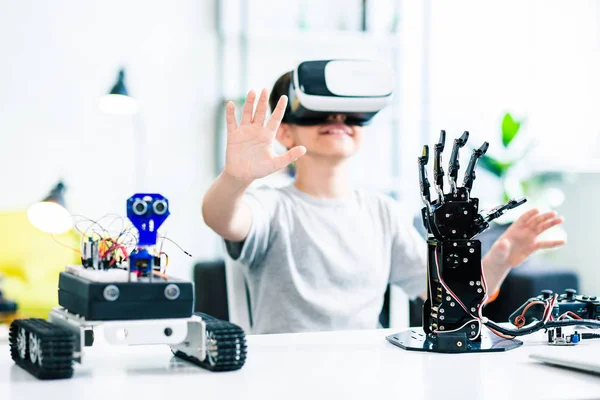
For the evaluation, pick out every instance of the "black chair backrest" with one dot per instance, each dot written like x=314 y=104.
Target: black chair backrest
x=210 y=287
x=210 y=291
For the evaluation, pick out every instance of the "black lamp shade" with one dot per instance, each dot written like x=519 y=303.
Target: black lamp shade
x=119 y=86
x=117 y=100
x=57 y=194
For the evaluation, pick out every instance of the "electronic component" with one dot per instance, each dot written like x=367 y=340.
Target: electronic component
x=108 y=275
x=568 y=305
x=147 y=212
x=556 y=337
x=103 y=253
x=129 y=294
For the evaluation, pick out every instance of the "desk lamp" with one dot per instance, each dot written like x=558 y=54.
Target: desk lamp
x=50 y=215
x=118 y=101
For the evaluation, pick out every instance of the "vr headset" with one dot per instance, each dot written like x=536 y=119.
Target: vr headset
x=358 y=89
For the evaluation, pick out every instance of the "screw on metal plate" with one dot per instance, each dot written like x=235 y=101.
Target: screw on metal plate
x=172 y=291
x=111 y=293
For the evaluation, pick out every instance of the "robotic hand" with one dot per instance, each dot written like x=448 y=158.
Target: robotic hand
x=456 y=287
x=455 y=215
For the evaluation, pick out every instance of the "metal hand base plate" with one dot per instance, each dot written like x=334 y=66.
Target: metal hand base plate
x=417 y=340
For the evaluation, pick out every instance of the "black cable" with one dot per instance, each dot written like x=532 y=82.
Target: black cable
x=590 y=323
x=531 y=328
x=590 y=336
x=516 y=332
x=180 y=248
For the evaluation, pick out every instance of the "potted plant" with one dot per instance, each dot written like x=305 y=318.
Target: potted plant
x=516 y=177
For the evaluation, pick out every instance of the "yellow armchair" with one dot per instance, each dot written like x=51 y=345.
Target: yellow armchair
x=30 y=263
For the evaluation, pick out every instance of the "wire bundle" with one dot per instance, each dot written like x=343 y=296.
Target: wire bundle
x=547 y=320
x=475 y=318
x=113 y=239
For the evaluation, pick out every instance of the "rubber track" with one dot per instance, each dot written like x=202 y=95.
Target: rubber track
x=56 y=344
x=231 y=345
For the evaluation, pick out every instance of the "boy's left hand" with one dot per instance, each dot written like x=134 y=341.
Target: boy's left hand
x=521 y=239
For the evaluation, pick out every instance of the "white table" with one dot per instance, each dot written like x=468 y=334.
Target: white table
x=334 y=365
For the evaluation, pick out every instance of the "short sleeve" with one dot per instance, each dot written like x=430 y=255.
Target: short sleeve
x=262 y=203
x=409 y=253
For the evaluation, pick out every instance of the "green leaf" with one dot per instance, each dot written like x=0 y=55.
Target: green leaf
x=494 y=166
x=540 y=180
x=510 y=127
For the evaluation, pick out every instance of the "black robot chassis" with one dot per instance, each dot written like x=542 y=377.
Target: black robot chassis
x=130 y=299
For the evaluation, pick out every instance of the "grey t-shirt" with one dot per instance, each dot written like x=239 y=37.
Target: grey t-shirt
x=319 y=264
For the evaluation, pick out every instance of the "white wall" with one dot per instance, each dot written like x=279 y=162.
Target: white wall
x=275 y=44
x=581 y=225
x=59 y=56
x=538 y=60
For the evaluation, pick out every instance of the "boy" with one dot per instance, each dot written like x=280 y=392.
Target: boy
x=318 y=255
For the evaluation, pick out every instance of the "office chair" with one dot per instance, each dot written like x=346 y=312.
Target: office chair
x=222 y=291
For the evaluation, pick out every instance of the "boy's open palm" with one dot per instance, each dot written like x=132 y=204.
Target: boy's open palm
x=250 y=153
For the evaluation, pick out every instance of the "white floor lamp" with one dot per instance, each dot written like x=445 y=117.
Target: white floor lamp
x=119 y=102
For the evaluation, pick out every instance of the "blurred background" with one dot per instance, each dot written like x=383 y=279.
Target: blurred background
x=522 y=75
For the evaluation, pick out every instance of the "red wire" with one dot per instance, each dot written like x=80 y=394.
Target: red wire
x=64 y=245
x=160 y=274
x=484 y=286
x=448 y=289
x=501 y=334
x=522 y=319
x=572 y=314
x=548 y=311
x=116 y=245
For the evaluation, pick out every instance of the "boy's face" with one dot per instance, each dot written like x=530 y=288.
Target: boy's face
x=334 y=139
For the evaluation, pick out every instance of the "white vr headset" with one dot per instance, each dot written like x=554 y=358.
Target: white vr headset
x=359 y=89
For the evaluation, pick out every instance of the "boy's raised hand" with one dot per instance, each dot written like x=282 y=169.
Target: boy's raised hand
x=250 y=153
